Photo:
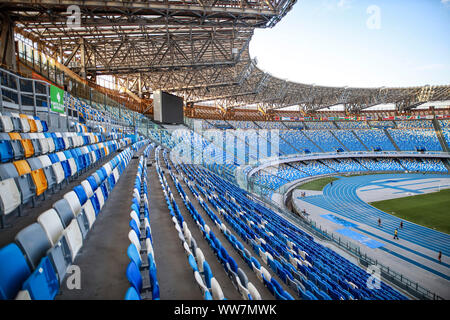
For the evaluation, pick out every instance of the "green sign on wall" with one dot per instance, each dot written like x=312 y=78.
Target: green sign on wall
x=57 y=99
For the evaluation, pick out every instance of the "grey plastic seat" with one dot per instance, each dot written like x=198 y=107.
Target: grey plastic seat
x=61 y=257
x=34 y=243
x=50 y=176
x=8 y=170
x=35 y=163
x=26 y=187
x=17 y=124
x=64 y=211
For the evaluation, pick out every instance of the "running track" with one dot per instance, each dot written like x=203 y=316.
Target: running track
x=342 y=199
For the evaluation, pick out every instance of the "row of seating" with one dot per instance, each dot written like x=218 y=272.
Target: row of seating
x=246 y=288
x=12 y=121
x=35 y=264
x=322 y=273
x=263 y=275
x=202 y=273
x=23 y=181
x=236 y=274
x=141 y=273
x=15 y=146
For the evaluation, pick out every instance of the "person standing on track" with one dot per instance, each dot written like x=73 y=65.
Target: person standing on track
x=401 y=224
x=440 y=256
x=396 y=234
x=379 y=222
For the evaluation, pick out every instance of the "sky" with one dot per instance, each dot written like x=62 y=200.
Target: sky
x=359 y=43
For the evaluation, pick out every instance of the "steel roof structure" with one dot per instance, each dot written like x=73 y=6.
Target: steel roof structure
x=198 y=49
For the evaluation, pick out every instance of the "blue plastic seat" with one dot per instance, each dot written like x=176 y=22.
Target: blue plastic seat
x=81 y=194
x=135 y=227
x=92 y=182
x=14 y=271
x=43 y=283
x=132 y=294
x=134 y=255
x=6 y=151
x=134 y=276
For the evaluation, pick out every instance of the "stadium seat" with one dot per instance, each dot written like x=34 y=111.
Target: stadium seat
x=34 y=243
x=64 y=211
x=43 y=283
x=132 y=294
x=9 y=198
x=74 y=238
x=73 y=202
x=52 y=225
x=39 y=180
x=14 y=271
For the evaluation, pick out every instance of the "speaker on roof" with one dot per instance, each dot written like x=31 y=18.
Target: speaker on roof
x=167 y=108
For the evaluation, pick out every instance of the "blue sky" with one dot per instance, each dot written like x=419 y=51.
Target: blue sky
x=359 y=43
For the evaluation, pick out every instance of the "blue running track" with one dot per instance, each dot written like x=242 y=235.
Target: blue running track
x=341 y=198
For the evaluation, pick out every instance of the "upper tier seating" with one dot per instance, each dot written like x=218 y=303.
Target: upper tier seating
x=375 y=139
x=415 y=139
x=352 y=124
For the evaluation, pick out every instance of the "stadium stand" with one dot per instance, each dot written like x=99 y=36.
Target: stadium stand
x=42 y=251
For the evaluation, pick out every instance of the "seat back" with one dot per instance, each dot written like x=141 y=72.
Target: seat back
x=216 y=290
x=14 y=271
x=52 y=225
x=64 y=211
x=74 y=238
x=59 y=172
x=22 y=167
x=132 y=294
x=26 y=187
x=43 y=283
x=73 y=201
x=34 y=243
x=89 y=212
x=134 y=276
x=9 y=196
x=39 y=180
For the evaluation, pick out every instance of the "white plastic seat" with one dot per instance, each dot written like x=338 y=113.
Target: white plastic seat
x=87 y=188
x=39 y=126
x=116 y=174
x=134 y=216
x=51 y=145
x=59 y=172
x=73 y=166
x=149 y=246
x=217 y=293
x=44 y=145
x=74 y=202
x=7 y=124
x=89 y=212
x=253 y=291
x=200 y=258
x=25 y=125
x=61 y=156
x=23 y=295
x=200 y=283
x=9 y=196
x=132 y=236
x=101 y=199
x=74 y=237
x=45 y=161
x=52 y=225
x=242 y=290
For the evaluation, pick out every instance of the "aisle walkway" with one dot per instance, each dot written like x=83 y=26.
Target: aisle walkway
x=103 y=258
